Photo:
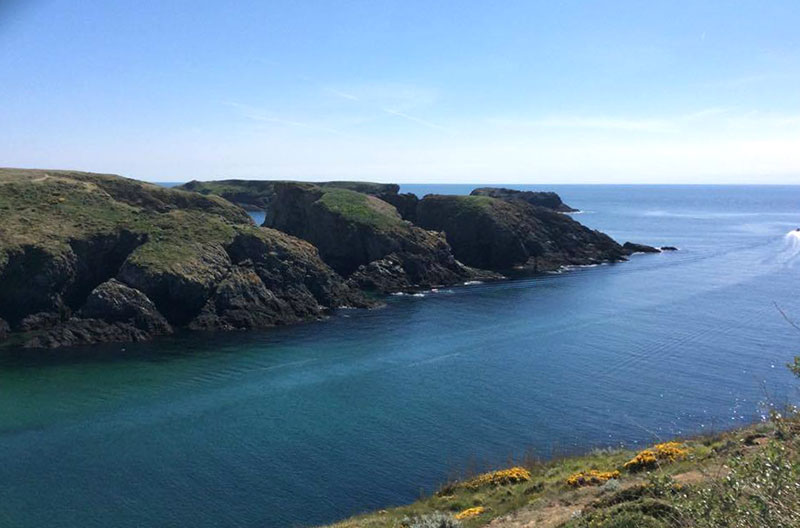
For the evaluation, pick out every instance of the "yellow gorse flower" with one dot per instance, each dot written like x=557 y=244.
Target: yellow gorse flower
x=470 y=512
x=650 y=458
x=498 y=478
x=592 y=477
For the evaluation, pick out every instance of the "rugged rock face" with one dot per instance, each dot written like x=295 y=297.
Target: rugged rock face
x=354 y=230
x=405 y=203
x=115 y=302
x=87 y=258
x=548 y=200
x=499 y=235
x=77 y=331
x=632 y=248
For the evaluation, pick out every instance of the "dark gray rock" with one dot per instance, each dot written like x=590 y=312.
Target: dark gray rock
x=77 y=331
x=490 y=233
x=242 y=301
x=632 y=247
x=40 y=321
x=179 y=292
x=4 y=329
x=114 y=302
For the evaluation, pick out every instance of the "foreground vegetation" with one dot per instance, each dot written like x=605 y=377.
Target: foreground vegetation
x=745 y=478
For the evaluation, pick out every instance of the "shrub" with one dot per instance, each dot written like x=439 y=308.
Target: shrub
x=642 y=513
x=430 y=520
x=659 y=453
x=470 y=512
x=760 y=490
x=495 y=478
x=592 y=477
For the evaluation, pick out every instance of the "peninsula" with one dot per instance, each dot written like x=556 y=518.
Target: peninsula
x=87 y=258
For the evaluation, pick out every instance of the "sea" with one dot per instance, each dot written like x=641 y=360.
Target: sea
x=308 y=424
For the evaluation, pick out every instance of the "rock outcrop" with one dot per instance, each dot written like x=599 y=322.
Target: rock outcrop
x=499 y=235
x=632 y=248
x=86 y=258
x=255 y=195
x=548 y=200
x=115 y=302
x=363 y=237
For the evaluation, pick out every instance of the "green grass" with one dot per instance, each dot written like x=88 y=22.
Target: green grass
x=360 y=208
x=48 y=209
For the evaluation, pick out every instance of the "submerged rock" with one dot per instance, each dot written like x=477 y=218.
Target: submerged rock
x=669 y=248
x=4 y=329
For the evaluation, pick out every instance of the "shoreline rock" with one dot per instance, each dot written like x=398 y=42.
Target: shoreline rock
x=499 y=235
x=632 y=248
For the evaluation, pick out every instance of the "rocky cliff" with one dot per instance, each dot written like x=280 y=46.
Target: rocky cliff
x=87 y=257
x=548 y=200
x=500 y=234
x=365 y=238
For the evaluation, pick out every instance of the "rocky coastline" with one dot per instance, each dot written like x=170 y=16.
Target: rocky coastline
x=88 y=258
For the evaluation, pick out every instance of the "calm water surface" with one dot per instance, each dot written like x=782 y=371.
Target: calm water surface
x=312 y=423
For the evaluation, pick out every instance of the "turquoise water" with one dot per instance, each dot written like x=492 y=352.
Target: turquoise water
x=311 y=423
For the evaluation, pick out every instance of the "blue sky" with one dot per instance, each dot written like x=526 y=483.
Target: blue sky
x=515 y=92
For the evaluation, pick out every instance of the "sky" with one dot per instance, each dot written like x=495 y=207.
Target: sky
x=572 y=91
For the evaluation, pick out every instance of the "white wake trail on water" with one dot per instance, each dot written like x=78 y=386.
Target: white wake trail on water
x=790 y=254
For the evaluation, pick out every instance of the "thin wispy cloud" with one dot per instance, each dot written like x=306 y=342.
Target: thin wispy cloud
x=343 y=95
x=719 y=119
x=258 y=115
x=415 y=119
x=591 y=123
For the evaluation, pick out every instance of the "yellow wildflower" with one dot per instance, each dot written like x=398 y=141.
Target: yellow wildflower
x=499 y=478
x=470 y=513
x=592 y=477
x=650 y=458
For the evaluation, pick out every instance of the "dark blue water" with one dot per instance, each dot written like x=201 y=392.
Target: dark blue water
x=312 y=423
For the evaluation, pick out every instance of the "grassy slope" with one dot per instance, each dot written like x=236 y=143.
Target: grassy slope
x=361 y=208
x=257 y=193
x=547 y=500
x=47 y=209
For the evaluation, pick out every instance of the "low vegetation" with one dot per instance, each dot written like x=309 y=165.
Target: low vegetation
x=747 y=478
x=360 y=208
